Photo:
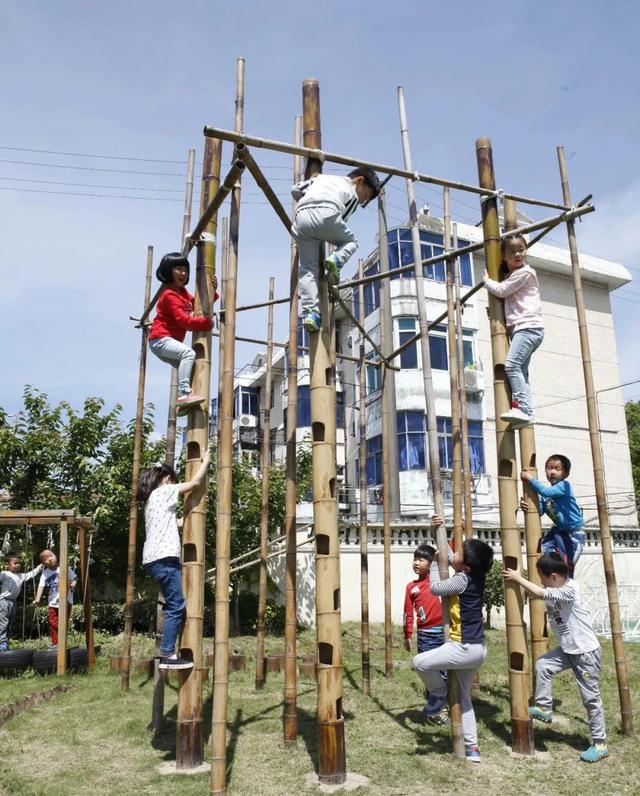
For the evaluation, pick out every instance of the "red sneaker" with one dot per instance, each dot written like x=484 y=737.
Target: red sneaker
x=185 y=401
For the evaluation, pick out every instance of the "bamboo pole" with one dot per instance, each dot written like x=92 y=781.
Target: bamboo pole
x=332 y=762
x=432 y=432
x=289 y=716
x=63 y=605
x=314 y=153
x=220 y=334
x=264 y=516
x=86 y=599
x=189 y=738
x=622 y=674
x=518 y=654
x=133 y=500
x=224 y=495
x=462 y=392
x=532 y=523
x=260 y=305
x=173 y=389
x=386 y=520
x=456 y=433
x=364 y=531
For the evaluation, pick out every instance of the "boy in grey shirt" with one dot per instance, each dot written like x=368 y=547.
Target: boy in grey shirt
x=579 y=648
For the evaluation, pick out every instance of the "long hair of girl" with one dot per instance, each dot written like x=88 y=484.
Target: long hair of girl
x=151 y=478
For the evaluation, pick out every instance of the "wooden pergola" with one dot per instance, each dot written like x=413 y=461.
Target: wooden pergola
x=64 y=518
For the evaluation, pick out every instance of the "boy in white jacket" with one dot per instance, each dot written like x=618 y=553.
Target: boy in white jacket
x=325 y=202
x=11 y=580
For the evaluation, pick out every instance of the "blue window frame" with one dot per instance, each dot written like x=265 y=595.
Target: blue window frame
x=371 y=290
x=431 y=245
x=476 y=444
x=438 y=349
x=407 y=328
x=374 y=379
x=411 y=436
x=304 y=406
x=374 y=461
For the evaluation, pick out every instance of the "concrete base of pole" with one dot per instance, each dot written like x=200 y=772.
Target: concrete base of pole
x=170 y=767
x=352 y=782
x=537 y=755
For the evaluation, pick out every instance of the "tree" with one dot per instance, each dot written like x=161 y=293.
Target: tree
x=632 y=412
x=493 y=591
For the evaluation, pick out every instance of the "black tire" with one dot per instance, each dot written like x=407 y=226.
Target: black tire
x=45 y=661
x=15 y=660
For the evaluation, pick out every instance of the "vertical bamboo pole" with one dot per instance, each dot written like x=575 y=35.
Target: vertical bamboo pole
x=453 y=383
x=86 y=598
x=264 y=517
x=386 y=520
x=173 y=390
x=462 y=393
x=224 y=496
x=332 y=762
x=518 y=654
x=223 y=290
x=626 y=713
x=189 y=741
x=532 y=523
x=133 y=500
x=63 y=606
x=289 y=717
x=432 y=431
x=364 y=530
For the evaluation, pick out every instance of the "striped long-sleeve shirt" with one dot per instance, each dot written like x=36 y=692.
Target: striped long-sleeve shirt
x=465 y=593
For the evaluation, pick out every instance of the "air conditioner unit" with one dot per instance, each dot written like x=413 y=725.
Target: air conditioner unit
x=474 y=380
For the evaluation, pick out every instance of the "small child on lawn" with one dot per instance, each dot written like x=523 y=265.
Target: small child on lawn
x=567 y=536
x=325 y=202
x=579 y=648
x=50 y=580
x=465 y=651
x=11 y=580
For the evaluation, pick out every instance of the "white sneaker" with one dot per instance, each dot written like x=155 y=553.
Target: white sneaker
x=517 y=417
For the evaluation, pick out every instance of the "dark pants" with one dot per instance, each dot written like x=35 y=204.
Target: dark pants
x=166 y=573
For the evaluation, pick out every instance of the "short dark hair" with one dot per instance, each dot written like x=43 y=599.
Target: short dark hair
x=164 y=272
x=564 y=461
x=424 y=550
x=477 y=555
x=151 y=478
x=370 y=177
x=552 y=564
x=10 y=556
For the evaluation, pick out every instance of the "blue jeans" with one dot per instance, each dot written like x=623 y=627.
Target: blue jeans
x=521 y=348
x=177 y=354
x=568 y=544
x=166 y=573
x=430 y=639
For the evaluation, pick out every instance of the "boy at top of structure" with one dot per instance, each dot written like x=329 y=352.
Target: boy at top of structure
x=11 y=580
x=50 y=579
x=325 y=202
x=579 y=648
x=567 y=536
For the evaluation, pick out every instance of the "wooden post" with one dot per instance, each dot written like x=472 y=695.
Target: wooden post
x=532 y=523
x=626 y=712
x=224 y=496
x=332 y=762
x=289 y=717
x=189 y=741
x=63 y=606
x=133 y=500
x=453 y=383
x=264 y=517
x=462 y=393
x=173 y=389
x=432 y=432
x=364 y=530
x=518 y=653
x=86 y=598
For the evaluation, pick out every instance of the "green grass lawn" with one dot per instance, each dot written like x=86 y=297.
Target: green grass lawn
x=93 y=739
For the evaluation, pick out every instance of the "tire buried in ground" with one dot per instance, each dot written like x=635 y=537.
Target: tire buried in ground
x=15 y=661
x=45 y=661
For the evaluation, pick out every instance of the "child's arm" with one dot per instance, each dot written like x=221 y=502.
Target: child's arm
x=516 y=576
x=408 y=617
x=561 y=489
x=299 y=189
x=175 y=308
x=514 y=281
x=198 y=478
x=39 y=591
x=31 y=575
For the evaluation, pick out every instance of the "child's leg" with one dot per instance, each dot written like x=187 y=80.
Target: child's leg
x=586 y=668
x=179 y=355
x=451 y=655
x=547 y=665
x=469 y=727
x=304 y=232
x=578 y=540
x=522 y=346
x=166 y=572
x=335 y=231
x=52 y=614
x=5 y=621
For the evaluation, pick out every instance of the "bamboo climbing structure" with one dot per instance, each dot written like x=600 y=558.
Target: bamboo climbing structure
x=364 y=528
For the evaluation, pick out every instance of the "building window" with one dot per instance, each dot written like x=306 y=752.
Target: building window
x=246 y=401
x=304 y=406
x=371 y=290
x=467 y=348
x=214 y=410
x=340 y=410
x=431 y=245
x=407 y=330
x=374 y=461
x=374 y=379
x=411 y=437
x=303 y=339
x=438 y=348
x=476 y=444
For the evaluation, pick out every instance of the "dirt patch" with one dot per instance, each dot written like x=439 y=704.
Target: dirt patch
x=30 y=701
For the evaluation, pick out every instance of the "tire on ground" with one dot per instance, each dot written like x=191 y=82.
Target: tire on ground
x=45 y=661
x=15 y=660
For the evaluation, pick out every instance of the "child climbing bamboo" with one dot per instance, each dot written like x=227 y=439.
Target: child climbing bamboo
x=523 y=315
x=158 y=489
x=325 y=202
x=174 y=317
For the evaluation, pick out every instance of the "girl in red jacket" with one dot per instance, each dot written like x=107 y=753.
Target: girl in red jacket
x=173 y=319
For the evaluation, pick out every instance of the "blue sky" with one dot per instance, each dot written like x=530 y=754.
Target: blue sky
x=140 y=79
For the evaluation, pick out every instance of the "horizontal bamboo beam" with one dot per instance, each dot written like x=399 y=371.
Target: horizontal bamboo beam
x=44 y=517
x=318 y=154
x=259 y=306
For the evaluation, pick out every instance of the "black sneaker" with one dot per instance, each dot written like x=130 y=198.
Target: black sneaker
x=174 y=663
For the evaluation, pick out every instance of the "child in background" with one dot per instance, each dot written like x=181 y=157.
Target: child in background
x=158 y=489
x=567 y=536
x=325 y=202
x=11 y=580
x=50 y=580
x=465 y=651
x=174 y=317
x=523 y=316
x=579 y=648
